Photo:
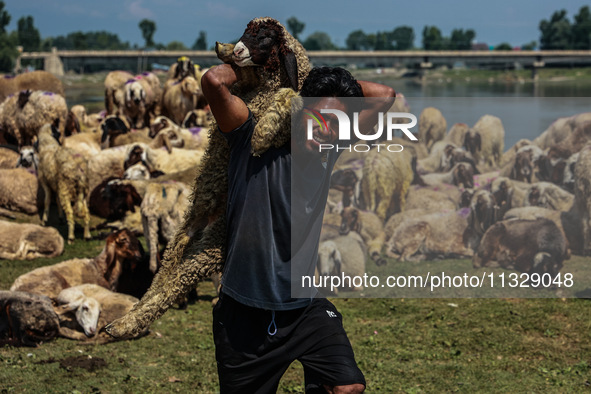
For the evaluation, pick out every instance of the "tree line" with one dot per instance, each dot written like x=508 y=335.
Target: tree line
x=558 y=32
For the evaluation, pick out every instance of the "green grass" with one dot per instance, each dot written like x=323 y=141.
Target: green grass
x=401 y=344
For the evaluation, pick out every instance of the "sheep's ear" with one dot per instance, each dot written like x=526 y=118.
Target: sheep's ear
x=290 y=64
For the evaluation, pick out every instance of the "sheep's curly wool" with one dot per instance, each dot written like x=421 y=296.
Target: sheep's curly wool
x=198 y=248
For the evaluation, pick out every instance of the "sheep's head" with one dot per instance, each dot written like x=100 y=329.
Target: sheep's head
x=113 y=126
x=123 y=244
x=27 y=157
x=196 y=118
x=264 y=44
x=135 y=155
x=138 y=171
x=472 y=141
x=349 y=221
x=190 y=86
x=134 y=93
x=86 y=309
x=160 y=123
x=184 y=68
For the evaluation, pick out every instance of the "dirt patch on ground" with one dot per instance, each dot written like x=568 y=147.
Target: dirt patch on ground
x=85 y=362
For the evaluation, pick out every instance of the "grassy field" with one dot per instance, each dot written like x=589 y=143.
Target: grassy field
x=402 y=345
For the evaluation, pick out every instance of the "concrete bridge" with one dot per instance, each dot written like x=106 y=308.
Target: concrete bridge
x=58 y=62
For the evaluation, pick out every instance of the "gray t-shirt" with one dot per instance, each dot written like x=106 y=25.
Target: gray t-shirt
x=258 y=267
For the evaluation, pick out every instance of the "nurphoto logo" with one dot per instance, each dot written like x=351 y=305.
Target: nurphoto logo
x=344 y=130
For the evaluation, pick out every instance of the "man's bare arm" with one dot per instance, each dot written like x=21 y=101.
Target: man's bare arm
x=384 y=98
x=228 y=110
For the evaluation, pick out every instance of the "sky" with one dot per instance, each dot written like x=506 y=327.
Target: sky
x=512 y=21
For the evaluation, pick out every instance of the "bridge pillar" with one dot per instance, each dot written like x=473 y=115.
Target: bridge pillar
x=425 y=65
x=17 y=63
x=534 y=70
x=53 y=63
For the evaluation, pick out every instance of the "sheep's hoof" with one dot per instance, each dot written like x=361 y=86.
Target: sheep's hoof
x=70 y=241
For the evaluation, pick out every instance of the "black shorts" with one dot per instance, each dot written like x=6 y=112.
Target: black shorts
x=251 y=360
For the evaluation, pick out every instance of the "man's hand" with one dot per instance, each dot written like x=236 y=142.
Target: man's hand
x=229 y=111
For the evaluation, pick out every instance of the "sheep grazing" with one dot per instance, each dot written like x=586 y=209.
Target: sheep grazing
x=38 y=108
x=385 y=182
x=432 y=126
x=163 y=208
x=35 y=80
x=341 y=256
x=26 y=319
x=486 y=141
x=180 y=98
x=114 y=90
x=64 y=173
x=24 y=241
x=18 y=190
x=94 y=307
x=456 y=134
x=197 y=249
x=121 y=248
x=530 y=246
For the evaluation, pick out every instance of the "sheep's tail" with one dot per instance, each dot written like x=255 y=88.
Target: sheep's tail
x=189 y=261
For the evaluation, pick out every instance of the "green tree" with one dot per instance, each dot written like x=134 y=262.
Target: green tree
x=8 y=42
x=461 y=40
x=148 y=28
x=201 y=42
x=404 y=37
x=383 y=41
x=504 y=46
x=556 y=33
x=358 y=41
x=176 y=46
x=319 y=41
x=27 y=34
x=581 y=29
x=530 y=46
x=295 y=27
x=432 y=39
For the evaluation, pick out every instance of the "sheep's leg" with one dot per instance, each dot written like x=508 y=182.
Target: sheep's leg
x=85 y=215
x=201 y=259
x=64 y=201
x=150 y=225
x=47 y=203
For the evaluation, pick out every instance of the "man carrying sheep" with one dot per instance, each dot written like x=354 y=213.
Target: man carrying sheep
x=259 y=329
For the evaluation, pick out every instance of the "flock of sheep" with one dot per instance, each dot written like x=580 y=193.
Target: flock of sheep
x=130 y=165
x=454 y=193
x=458 y=194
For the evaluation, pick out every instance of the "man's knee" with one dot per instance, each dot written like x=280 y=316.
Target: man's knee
x=356 y=388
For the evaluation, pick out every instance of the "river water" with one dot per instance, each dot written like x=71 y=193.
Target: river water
x=526 y=109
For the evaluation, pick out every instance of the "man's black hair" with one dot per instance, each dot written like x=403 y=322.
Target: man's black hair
x=330 y=82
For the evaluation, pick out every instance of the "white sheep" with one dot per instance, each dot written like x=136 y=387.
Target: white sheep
x=486 y=141
x=560 y=129
x=140 y=102
x=432 y=126
x=25 y=241
x=163 y=208
x=456 y=133
x=114 y=92
x=94 y=308
x=38 y=109
x=194 y=138
x=108 y=163
x=65 y=173
x=179 y=98
x=161 y=160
